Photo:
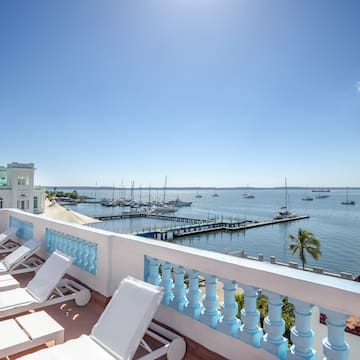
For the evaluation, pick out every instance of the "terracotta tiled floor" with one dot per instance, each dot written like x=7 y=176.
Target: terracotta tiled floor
x=80 y=320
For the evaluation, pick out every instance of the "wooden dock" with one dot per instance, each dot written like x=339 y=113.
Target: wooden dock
x=205 y=227
x=236 y=226
x=120 y=216
x=183 y=219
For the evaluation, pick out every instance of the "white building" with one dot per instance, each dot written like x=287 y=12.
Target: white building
x=17 y=188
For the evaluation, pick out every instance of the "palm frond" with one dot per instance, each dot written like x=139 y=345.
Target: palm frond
x=305 y=242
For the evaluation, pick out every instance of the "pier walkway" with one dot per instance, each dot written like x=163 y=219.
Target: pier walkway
x=204 y=227
x=136 y=214
x=195 y=225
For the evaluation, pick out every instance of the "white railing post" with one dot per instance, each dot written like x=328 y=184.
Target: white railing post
x=166 y=282
x=301 y=334
x=210 y=315
x=179 y=290
x=250 y=317
x=273 y=341
x=229 y=323
x=334 y=345
x=193 y=294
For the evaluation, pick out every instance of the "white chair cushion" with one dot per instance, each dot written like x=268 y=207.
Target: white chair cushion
x=13 y=298
x=122 y=325
x=48 y=276
x=8 y=233
x=19 y=254
x=82 y=348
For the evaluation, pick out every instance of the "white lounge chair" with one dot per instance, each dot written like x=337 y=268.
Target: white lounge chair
x=5 y=245
x=119 y=330
x=47 y=287
x=19 y=260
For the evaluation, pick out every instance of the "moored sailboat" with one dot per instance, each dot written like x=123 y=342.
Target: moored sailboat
x=347 y=201
x=284 y=212
x=307 y=198
x=248 y=195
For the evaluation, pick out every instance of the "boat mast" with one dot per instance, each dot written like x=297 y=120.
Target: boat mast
x=165 y=189
x=132 y=191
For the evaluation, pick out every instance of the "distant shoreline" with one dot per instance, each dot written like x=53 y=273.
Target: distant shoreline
x=245 y=188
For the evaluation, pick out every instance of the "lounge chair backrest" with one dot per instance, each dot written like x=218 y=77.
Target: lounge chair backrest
x=123 y=323
x=22 y=252
x=8 y=233
x=48 y=276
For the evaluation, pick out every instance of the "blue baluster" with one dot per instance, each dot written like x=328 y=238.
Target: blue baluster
x=273 y=341
x=334 y=345
x=154 y=276
x=48 y=237
x=229 y=323
x=78 y=254
x=85 y=254
x=193 y=295
x=179 y=290
x=301 y=334
x=67 y=244
x=250 y=317
x=52 y=241
x=72 y=248
x=166 y=282
x=91 y=267
x=61 y=242
x=57 y=241
x=210 y=315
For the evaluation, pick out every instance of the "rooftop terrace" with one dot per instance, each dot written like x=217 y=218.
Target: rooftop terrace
x=205 y=315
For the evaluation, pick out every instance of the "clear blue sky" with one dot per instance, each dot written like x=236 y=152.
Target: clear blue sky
x=207 y=92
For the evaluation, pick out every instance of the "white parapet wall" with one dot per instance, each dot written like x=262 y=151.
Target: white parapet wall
x=99 y=282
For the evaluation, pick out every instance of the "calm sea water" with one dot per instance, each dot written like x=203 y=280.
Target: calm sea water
x=337 y=226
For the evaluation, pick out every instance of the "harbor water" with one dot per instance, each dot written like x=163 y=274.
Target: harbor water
x=337 y=226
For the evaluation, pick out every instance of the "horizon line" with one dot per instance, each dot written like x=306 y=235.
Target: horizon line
x=106 y=187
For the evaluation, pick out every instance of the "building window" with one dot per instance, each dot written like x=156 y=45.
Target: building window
x=1 y=203
x=23 y=180
x=23 y=203
x=35 y=202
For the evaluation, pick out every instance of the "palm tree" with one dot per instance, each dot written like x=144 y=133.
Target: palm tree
x=305 y=242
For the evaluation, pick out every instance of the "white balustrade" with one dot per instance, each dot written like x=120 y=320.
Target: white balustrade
x=223 y=317
x=182 y=290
